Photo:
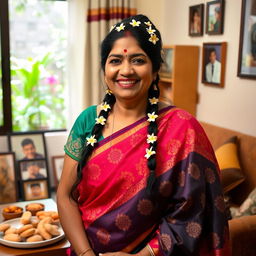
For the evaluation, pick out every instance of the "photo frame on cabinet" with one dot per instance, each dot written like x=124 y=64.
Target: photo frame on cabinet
x=27 y=145
x=35 y=189
x=8 y=178
x=57 y=165
x=196 y=20
x=215 y=17
x=247 y=44
x=214 y=64
x=166 y=69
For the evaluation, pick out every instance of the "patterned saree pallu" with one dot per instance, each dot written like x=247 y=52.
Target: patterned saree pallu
x=185 y=215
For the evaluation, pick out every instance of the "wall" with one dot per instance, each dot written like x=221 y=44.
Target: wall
x=232 y=106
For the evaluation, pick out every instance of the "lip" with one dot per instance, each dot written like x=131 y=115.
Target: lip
x=127 y=83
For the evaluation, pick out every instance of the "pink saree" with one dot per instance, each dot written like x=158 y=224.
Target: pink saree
x=187 y=214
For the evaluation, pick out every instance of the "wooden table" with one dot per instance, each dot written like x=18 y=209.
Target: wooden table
x=57 y=249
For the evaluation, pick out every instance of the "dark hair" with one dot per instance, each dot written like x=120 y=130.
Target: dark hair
x=27 y=141
x=153 y=49
x=141 y=34
x=212 y=50
x=35 y=185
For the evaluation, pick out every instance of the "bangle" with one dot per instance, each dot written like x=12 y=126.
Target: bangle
x=84 y=252
x=150 y=250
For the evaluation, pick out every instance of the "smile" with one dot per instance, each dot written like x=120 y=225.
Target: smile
x=127 y=83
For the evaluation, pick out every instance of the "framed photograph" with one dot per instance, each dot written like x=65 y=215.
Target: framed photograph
x=214 y=63
x=36 y=189
x=57 y=165
x=166 y=69
x=215 y=17
x=8 y=181
x=196 y=20
x=27 y=145
x=33 y=169
x=247 y=45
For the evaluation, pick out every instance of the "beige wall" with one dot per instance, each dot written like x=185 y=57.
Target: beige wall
x=233 y=106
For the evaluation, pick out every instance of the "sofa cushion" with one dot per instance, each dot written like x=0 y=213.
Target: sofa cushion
x=227 y=157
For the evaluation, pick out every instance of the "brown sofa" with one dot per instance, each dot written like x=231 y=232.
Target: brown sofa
x=243 y=229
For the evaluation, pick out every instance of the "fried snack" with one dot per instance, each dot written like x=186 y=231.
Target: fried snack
x=4 y=227
x=34 y=238
x=41 y=229
x=52 y=229
x=11 y=230
x=34 y=207
x=12 y=209
x=35 y=222
x=43 y=214
x=12 y=237
x=25 y=218
x=28 y=233
x=24 y=228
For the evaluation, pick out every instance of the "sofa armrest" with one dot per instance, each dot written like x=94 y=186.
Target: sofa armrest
x=243 y=235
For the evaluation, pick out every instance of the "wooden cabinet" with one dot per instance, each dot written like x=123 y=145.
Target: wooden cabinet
x=179 y=78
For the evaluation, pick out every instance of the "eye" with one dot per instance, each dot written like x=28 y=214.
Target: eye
x=115 y=61
x=138 y=61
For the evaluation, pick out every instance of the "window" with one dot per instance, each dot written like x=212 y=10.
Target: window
x=38 y=50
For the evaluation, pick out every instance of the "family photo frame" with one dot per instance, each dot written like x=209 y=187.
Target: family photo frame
x=215 y=17
x=247 y=43
x=166 y=69
x=36 y=189
x=57 y=165
x=8 y=178
x=214 y=64
x=196 y=20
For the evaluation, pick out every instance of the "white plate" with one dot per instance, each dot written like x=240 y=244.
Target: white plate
x=16 y=223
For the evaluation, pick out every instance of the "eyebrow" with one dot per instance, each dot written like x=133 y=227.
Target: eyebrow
x=130 y=55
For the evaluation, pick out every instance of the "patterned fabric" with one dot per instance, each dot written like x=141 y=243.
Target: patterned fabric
x=186 y=214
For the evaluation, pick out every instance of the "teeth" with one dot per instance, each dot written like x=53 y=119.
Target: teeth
x=127 y=82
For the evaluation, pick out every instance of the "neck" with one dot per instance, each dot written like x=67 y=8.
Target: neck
x=130 y=110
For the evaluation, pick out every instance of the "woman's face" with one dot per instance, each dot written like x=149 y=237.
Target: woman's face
x=128 y=70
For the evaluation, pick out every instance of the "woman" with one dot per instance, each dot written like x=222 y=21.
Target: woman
x=195 y=27
x=146 y=181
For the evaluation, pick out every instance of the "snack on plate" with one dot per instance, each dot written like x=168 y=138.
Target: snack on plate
x=12 y=237
x=4 y=226
x=33 y=229
x=25 y=218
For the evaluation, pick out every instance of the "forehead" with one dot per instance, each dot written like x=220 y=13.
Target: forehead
x=128 y=43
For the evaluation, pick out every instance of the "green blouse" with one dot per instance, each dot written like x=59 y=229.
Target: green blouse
x=81 y=129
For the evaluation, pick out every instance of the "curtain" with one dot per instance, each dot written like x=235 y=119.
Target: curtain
x=89 y=23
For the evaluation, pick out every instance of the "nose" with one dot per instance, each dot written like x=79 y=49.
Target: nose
x=126 y=68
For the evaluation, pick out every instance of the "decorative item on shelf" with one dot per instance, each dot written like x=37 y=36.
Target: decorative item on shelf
x=167 y=66
x=215 y=17
x=30 y=151
x=247 y=45
x=35 y=189
x=8 y=178
x=196 y=20
x=57 y=165
x=214 y=63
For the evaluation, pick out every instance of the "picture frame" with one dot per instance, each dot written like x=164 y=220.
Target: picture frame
x=8 y=178
x=33 y=169
x=214 y=63
x=35 y=189
x=166 y=69
x=196 y=20
x=247 y=43
x=27 y=145
x=57 y=165
x=215 y=17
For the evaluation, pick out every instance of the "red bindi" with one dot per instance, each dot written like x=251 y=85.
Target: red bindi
x=125 y=50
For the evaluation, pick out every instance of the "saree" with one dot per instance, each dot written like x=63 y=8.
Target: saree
x=186 y=216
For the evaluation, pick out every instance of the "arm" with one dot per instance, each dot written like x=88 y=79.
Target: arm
x=68 y=209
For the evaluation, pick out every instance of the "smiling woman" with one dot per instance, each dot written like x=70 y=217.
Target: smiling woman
x=136 y=171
